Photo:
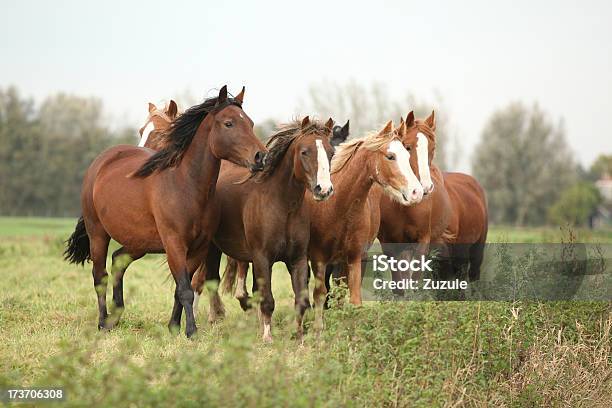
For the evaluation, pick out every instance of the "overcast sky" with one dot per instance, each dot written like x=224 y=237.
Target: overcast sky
x=479 y=56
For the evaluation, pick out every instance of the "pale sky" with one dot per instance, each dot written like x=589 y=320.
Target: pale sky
x=479 y=55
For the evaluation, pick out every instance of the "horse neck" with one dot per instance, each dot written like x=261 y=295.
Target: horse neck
x=289 y=190
x=352 y=184
x=199 y=167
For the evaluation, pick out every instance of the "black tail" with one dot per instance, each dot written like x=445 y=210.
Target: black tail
x=77 y=246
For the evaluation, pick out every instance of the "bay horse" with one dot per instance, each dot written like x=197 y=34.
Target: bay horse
x=235 y=273
x=441 y=217
x=264 y=218
x=157 y=121
x=155 y=202
x=343 y=228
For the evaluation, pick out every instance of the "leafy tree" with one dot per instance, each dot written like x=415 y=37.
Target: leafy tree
x=601 y=167
x=575 y=205
x=523 y=164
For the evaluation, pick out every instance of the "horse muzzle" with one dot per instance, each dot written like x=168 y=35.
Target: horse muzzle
x=259 y=162
x=321 y=194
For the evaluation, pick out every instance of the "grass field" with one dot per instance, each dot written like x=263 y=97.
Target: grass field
x=519 y=354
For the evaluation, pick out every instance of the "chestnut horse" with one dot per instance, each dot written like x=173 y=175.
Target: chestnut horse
x=235 y=273
x=265 y=218
x=442 y=217
x=161 y=202
x=157 y=121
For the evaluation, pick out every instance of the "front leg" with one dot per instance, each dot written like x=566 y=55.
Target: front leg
x=176 y=250
x=262 y=280
x=320 y=293
x=299 y=281
x=354 y=281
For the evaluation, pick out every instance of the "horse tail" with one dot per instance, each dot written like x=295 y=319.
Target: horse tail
x=77 y=246
x=229 y=276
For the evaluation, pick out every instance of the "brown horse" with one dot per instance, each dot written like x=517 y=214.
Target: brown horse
x=345 y=226
x=438 y=218
x=158 y=120
x=161 y=202
x=266 y=219
x=235 y=273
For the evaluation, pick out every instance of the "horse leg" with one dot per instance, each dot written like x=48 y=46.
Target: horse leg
x=176 y=251
x=98 y=246
x=241 y=290
x=262 y=275
x=476 y=256
x=121 y=261
x=319 y=294
x=299 y=281
x=216 y=309
x=354 y=281
x=197 y=284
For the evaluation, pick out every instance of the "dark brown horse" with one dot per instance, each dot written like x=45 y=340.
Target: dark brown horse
x=158 y=120
x=235 y=273
x=161 y=202
x=441 y=217
x=266 y=219
x=346 y=225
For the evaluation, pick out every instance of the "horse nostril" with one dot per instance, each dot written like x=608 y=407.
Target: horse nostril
x=415 y=192
x=317 y=189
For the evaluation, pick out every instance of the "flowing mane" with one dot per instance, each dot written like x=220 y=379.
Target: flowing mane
x=347 y=150
x=279 y=143
x=179 y=136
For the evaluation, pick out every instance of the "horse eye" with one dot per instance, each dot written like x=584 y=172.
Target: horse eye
x=391 y=157
x=408 y=148
x=304 y=152
x=228 y=124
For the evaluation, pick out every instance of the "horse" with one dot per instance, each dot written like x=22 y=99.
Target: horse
x=346 y=225
x=157 y=121
x=437 y=218
x=235 y=273
x=265 y=218
x=155 y=202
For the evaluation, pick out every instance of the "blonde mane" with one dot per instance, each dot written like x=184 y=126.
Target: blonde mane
x=347 y=150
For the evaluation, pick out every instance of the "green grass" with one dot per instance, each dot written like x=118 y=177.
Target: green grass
x=382 y=354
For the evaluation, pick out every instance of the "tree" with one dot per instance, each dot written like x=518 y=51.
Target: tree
x=601 y=167
x=523 y=163
x=369 y=107
x=576 y=205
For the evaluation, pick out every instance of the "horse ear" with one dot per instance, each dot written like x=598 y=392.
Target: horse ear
x=172 y=109
x=240 y=96
x=344 y=132
x=222 y=95
x=401 y=130
x=305 y=122
x=151 y=107
x=401 y=120
x=388 y=128
x=329 y=125
x=410 y=119
x=431 y=121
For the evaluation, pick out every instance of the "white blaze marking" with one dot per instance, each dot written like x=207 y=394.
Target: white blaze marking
x=403 y=161
x=196 y=299
x=422 y=149
x=145 y=133
x=323 y=177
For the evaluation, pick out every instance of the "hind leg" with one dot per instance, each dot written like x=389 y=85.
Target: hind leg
x=122 y=259
x=98 y=246
x=241 y=290
x=476 y=256
x=216 y=310
x=299 y=281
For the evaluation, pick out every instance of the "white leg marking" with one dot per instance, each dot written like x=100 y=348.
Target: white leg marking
x=145 y=134
x=196 y=299
x=422 y=149
x=240 y=288
x=412 y=193
x=323 y=176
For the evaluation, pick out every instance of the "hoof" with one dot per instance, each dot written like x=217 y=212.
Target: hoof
x=267 y=339
x=245 y=303
x=174 y=328
x=191 y=333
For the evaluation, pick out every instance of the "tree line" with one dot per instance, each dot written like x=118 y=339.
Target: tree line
x=522 y=160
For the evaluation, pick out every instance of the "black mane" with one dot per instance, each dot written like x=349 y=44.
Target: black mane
x=179 y=135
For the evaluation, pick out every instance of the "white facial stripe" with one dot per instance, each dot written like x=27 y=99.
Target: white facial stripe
x=145 y=133
x=323 y=177
x=422 y=149
x=403 y=161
